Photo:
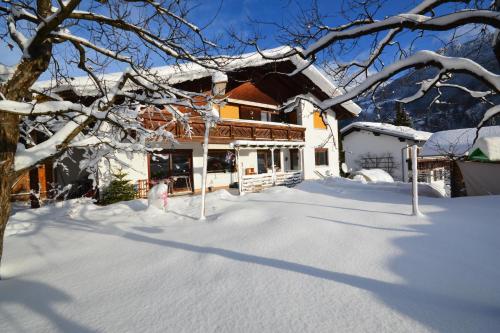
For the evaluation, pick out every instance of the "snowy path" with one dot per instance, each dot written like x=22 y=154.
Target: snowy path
x=324 y=257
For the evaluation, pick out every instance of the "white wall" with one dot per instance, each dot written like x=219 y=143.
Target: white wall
x=135 y=165
x=315 y=138
x=357 y=144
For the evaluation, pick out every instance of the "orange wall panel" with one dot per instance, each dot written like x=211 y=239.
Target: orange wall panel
x=318 y=121
x=230 y=111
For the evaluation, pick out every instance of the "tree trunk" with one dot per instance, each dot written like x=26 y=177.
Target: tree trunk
x=16 y=89
x=9 y=136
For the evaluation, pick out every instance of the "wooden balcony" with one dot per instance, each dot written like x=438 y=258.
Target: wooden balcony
x=229 y=130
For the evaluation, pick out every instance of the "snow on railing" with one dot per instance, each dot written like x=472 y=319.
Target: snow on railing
x=256 y=183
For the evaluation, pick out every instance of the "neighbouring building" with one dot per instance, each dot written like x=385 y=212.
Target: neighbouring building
x=437 y=159
x=256 y=144
x=371 y=145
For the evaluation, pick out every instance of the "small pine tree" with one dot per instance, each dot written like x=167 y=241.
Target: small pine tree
x=402 y=118
x=118 y=190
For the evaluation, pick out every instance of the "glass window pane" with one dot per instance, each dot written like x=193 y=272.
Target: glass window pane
x=262 y=161
x=159 y=167
x=221 y=161
x=294 y=159
x=277 y=159
x=321 y=156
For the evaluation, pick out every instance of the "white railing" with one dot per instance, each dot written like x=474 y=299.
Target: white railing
x=256 y=183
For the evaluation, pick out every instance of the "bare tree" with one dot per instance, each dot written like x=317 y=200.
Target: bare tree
x=58 y=39
x=393 y=46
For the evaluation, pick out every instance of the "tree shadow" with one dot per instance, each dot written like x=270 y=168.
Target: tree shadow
x=39 y=298
x=361 y=225
x=439 y=288
x=421 y=304
x=149 y=230
x=329 y=206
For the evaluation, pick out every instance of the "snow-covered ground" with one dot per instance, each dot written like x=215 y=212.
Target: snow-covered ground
x=327 y=256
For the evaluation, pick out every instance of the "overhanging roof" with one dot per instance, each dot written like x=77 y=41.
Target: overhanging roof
x=387 y=129
x=176 y=74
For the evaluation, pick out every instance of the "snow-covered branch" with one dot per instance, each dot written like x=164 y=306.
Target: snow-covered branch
x=408 y=21
x=113 y=35
x=420 y=59
x=34 y=109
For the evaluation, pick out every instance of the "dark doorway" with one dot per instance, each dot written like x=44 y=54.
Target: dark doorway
x=294 y=159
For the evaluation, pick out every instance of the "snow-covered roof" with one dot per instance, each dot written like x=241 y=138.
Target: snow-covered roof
x=190 y=71
x=455 y=142
x=392 y=130
x=489 y=146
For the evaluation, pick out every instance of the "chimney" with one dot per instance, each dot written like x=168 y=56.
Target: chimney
x=219 y=82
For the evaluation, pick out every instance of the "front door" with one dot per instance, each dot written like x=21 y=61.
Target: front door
x=176 y=165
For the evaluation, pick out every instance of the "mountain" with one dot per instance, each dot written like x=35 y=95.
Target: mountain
x=456 y=109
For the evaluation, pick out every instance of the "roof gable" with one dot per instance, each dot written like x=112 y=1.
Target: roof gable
x=387 y=129
x=249 y=92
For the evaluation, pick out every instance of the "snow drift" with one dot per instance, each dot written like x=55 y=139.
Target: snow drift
x=324 y=256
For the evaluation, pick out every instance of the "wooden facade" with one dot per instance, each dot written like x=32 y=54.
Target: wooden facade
x=34 y=184
x=227 y=131
x=456 y=181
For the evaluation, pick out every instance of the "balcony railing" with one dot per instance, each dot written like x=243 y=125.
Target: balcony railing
x=229 y=130
x=256 y=183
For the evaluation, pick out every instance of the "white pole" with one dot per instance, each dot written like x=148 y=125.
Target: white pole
x=414 y=170
x=239 y=166
x=240 y=173
x=302 y=164
x=272 y=166
x=204 y=175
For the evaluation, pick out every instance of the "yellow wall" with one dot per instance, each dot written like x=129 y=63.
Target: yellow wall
x=318 y=121
x=230 y=111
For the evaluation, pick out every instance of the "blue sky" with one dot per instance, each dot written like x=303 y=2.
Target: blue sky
x=222 y=15
x=240 y=13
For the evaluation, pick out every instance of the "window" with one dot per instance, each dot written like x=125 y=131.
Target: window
x=321 y=156
x=438 y=174
x=221 y=161
x=249 y=113
x=424 y=176
x=265 y=116
x=264 y=160
x=294 y=159
x=176 y=164
x=291 y=117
